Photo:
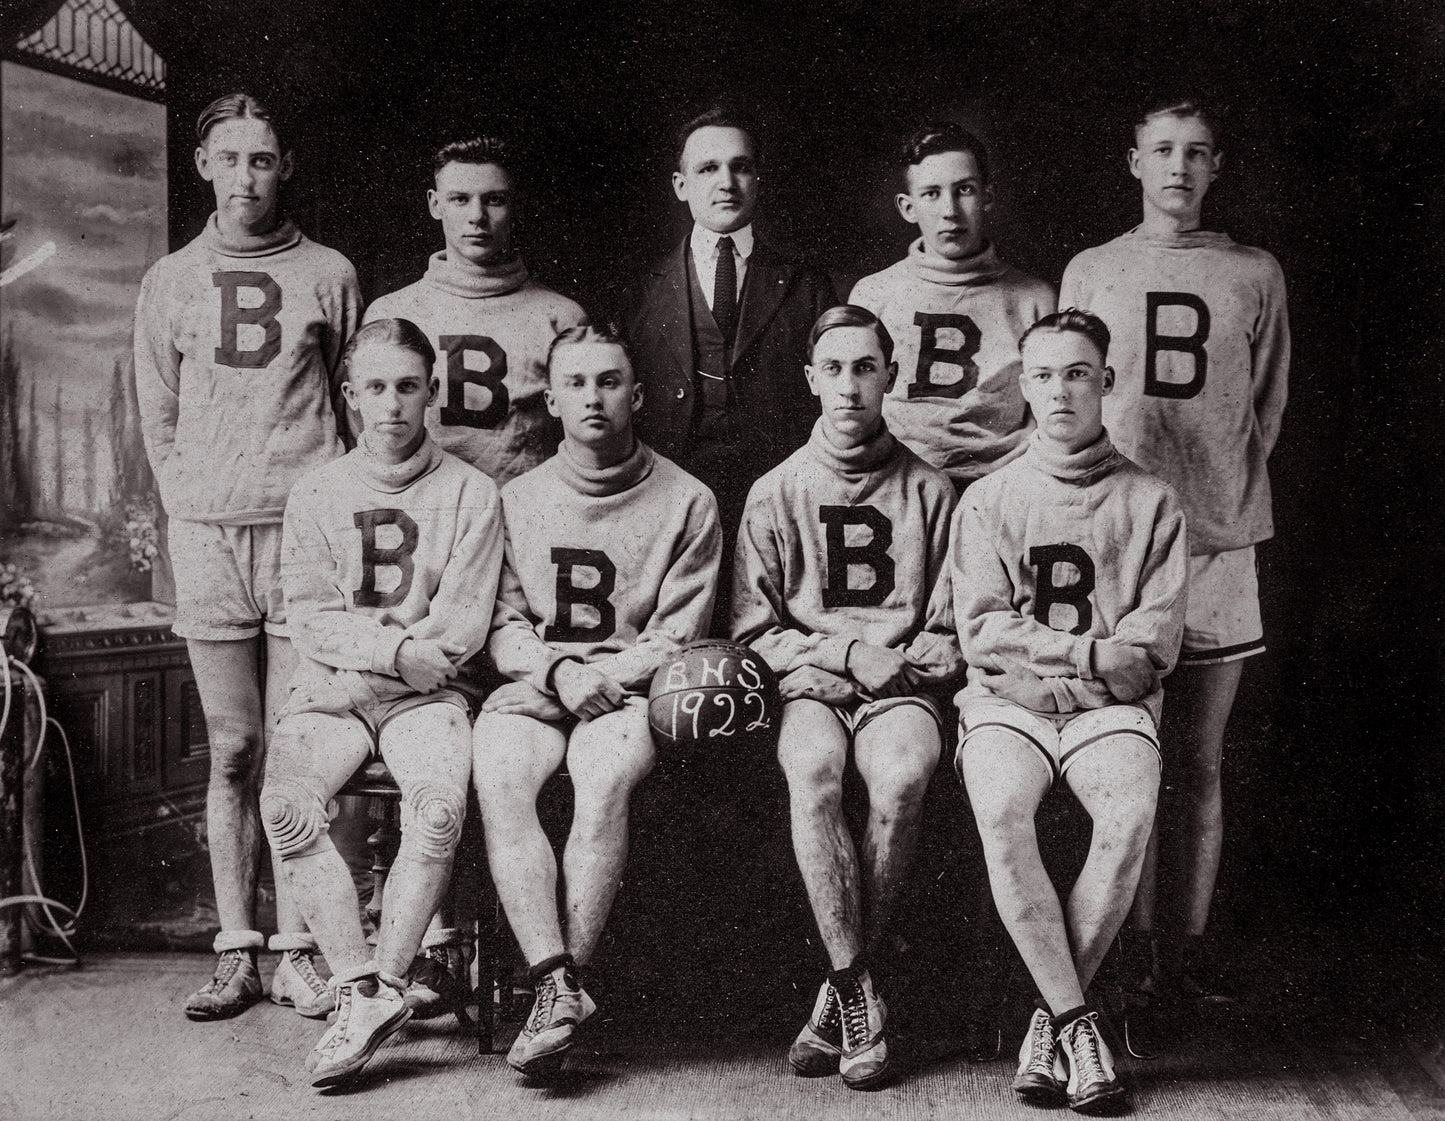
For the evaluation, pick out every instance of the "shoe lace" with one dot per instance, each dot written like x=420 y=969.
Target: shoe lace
x=542 y=1004
x=829 y=1019
x=226 y=966
x=853 y=1009
x=337 y=1031
x=1084 y=1050
x=1042 y=1051
x=305 y=966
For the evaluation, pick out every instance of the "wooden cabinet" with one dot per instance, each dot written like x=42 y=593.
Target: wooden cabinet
x=120 y=684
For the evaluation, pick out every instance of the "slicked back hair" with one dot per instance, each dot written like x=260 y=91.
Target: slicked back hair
x=401 y=333
x=235 y=107
x=1084 y=323
x=1181 y=108
x=716 y=116
x=933 y=137
x=587 y=333
x=850 y=315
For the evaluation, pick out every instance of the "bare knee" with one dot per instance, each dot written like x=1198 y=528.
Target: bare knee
x=431 y=819
x=1124 y=830
x=294 y=817
x=896 y=787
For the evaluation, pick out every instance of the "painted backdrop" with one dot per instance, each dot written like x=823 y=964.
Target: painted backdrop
x=84 y=193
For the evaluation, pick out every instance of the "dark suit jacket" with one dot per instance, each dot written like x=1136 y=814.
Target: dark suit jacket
x=782 y=298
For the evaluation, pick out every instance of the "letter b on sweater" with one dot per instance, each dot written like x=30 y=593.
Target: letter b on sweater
x=570 y=595
x=1075 y=593
x=842 y=556
x=374 y=557
x=1192 y=345
x=233 y=315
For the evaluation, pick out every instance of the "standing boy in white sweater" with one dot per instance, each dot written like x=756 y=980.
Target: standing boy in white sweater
x=612 y=560
x=840 y=584
x=955 y=311
x=1202 y=348
x=489 y=321
x=238 y=337
x=1069 y=569
x=391 y=560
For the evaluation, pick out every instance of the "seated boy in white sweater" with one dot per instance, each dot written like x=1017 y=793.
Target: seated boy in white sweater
x=841 y=585
x=1069 y=580
x=611 y=565
x=390 y=561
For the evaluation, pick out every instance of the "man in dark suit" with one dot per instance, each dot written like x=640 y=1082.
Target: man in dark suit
x=719 y=330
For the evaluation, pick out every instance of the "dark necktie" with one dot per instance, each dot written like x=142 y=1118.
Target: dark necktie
x=725 y=290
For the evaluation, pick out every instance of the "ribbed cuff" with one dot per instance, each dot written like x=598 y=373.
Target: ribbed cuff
x=238 y=940
x=292 y=940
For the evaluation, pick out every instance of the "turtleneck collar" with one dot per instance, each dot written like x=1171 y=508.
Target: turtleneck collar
x=600 y=482
x=983 y=267
x=858 y=460
x=1187 y=239
x=392 y=478
x=283 y=236
x=472 y=282
x=1070 y=466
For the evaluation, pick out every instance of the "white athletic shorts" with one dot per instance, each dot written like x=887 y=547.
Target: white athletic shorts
x=1057 y=741
x=228 y=580
x=1222 y=622
x=857 y=717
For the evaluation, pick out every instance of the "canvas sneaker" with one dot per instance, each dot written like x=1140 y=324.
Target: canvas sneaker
x=818 y=1049
x=864 y=1061
x=558 y=1009
x=1038 y=1079
x=233 y=988
x=1093 y=1085
x=369 y=1010
x=297 y=984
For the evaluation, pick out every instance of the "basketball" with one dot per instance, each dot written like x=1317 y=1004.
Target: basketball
x=713 y=693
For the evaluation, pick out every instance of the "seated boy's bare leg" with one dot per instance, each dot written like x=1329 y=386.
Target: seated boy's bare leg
x=607 y=758
x=1117 y=783
x=813 y=752
x=512 y=757
x=429 y=752
x=312 y=755
x=896 y=754
x=1005 y=784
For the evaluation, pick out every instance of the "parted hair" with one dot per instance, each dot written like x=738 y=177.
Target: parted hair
x=1183 y=107
x=233 y=107
x=933 y=137
x=1081 y=322
x=586 y=333
x=401 y=333
x=850 y=315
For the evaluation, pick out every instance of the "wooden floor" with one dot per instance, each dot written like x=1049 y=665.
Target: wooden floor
x=109 y=1042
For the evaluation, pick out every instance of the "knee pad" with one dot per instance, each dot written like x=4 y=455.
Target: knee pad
x=295 y=819
x=431 y=819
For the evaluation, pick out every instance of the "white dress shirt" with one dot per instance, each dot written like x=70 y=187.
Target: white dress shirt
x=704 y=257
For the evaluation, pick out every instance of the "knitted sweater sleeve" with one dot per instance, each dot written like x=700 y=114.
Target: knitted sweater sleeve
x=1269 y=355
x=515 y=646
x=157 y=370
x=461 y=610
x=1156 y=622
x=935 y=649
x=343 y=307
x=684 y=601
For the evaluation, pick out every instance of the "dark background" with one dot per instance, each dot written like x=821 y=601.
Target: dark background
x=1335 y=780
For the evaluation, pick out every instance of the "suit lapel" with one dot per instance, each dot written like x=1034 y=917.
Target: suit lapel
x=675 y=307
x=767 y=282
